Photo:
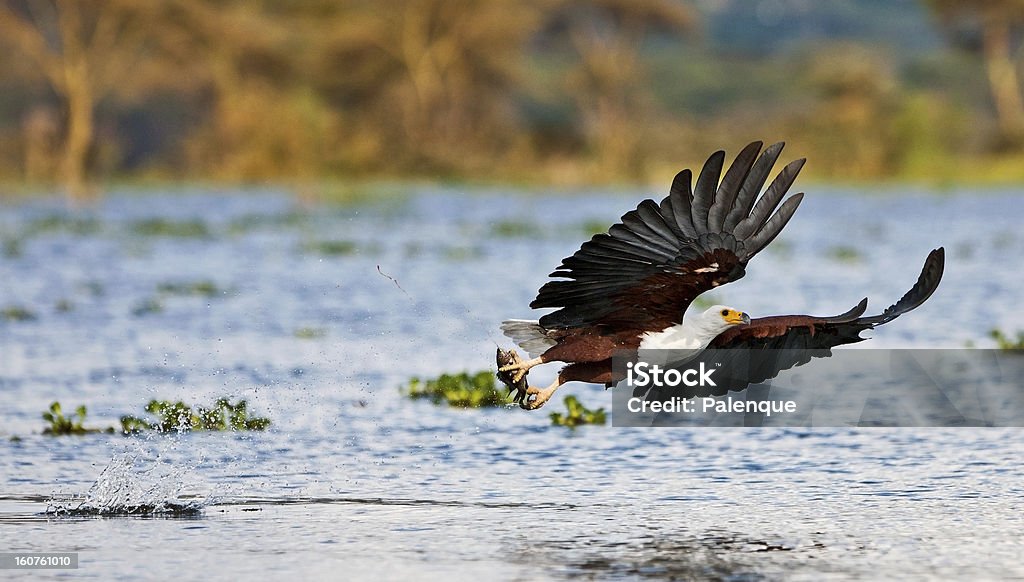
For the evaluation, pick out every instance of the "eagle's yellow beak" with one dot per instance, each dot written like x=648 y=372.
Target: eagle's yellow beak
x=734 y=317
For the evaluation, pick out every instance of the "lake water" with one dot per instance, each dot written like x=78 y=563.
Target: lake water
x=320 y=314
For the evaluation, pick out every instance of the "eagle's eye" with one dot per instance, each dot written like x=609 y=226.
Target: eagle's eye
x=725 y=313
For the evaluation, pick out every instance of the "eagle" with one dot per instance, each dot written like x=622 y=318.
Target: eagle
x=633 y=287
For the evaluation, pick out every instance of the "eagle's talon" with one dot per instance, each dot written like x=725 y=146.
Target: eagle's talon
x=539 y=397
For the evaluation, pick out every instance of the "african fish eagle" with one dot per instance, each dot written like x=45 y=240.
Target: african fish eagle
x=631 y=288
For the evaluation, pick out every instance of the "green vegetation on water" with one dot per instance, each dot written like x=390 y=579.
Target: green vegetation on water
x=460 y=390
x=73 y=424
x=515 y=228
x=75 y=225
x=200 y=288
x=11 y=248
x=169 y=417
x=844 y=254
x=203 y=288
x=171 y=228
x=148 y=306
x=576 y=414
x=180 y=417
x=462 y=253
x=526 y=228
x=479 y=390
x=310 y=332
x=17 y=313
x=334 y=248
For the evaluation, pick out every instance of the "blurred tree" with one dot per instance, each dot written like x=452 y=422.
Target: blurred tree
x=850 y=124
x=608 y=83
x=86 y=50
x=433 y=84
x=262 y=120
x=40 y=134
x=994 y=28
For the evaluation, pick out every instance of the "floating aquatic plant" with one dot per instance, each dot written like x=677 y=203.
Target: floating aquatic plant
x=148 y=306
x=134 y=425
x=1007 y=344
x=180 y=417
x=67 y=425
x=576 y=414
x=460 y=390
x=202 y=288
x=337 y=248
x=63 y=223
x=11 y=248
x=16 y=313
x=515 y=229
x=310 y=332
x=461 y=253
x=844 y=254
x=173 y=228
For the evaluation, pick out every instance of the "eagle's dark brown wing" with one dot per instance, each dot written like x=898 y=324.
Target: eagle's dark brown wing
x=759 y=351
x=808 y=332
x=792 y=340
x=644 y=272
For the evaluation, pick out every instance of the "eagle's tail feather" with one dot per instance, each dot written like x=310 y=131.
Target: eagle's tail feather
x=529 y=335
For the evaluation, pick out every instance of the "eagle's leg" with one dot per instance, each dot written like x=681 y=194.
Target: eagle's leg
x=539 y=395
x=520 y=368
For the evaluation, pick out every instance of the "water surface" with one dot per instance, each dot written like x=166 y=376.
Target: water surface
x=354 y=480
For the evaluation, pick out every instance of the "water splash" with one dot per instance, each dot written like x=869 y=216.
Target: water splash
x=132 y=485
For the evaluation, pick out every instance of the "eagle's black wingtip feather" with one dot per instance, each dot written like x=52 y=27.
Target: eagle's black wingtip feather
x=682 y=180
x=927 y=282
x=700 y=213
x=772 y=225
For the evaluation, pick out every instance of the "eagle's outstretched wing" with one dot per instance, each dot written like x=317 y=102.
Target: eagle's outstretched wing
x=759 y=351
x=644 y=272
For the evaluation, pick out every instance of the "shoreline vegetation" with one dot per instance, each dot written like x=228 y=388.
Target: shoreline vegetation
x=368 y=190
x=323 y=98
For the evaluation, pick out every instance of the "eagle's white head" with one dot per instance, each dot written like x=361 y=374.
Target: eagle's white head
x=716 y=319
x=696 y=331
